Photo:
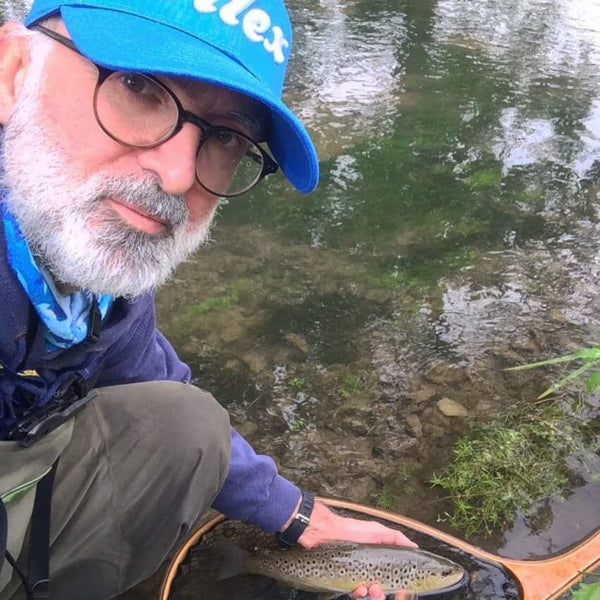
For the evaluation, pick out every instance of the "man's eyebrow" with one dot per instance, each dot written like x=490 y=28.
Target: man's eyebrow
x=250 y=123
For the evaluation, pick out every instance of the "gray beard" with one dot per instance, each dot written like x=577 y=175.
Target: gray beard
x=70 y=228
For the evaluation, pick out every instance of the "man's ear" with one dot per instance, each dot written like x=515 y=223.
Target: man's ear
x=14 y=62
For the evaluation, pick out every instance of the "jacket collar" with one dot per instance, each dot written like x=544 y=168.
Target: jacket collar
x=14 y=314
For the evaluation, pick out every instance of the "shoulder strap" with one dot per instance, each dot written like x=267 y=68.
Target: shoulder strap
x=35 y=585
x=38 y=572
x=3 y=532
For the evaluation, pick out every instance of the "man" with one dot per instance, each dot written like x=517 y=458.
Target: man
x=124 y=122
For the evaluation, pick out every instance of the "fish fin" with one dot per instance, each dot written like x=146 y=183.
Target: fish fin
x=233 y=559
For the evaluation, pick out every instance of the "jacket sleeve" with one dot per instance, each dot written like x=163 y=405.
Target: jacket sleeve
x=253 y=490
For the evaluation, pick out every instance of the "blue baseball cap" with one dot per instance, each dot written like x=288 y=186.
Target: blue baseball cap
x=243 y=45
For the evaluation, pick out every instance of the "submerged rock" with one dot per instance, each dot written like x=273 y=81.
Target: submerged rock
x=255 y=361
x=298 y=342
x=362 y=489
x=423 y=394
x=433 y=431
x=247 y=428
x=356 y=426
x=414 y=425
x=452 y=408
x=445 y=373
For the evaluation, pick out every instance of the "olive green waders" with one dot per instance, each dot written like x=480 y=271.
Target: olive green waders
x=137 y=467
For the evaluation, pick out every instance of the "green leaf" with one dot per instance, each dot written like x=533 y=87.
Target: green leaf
x=567 y=379
x=543 y=363
x=590 y=354
x=587 y=591
x=593 y=382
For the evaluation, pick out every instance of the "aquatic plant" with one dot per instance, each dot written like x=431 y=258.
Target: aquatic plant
x=484 y=179
x=224 y=302
x=400 y=485
x=590 y=357
x=587 y=591
x=299 y=424
x=298 y=383
x=349 y=384
x=386 y=498
x=505 y=467
x=216 y=304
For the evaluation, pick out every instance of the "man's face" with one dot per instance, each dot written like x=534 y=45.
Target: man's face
x=103 y=217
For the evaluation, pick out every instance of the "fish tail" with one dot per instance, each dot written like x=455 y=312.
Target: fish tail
x=232 y=559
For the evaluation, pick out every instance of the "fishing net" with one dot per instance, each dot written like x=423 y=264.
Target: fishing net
x=196 y=576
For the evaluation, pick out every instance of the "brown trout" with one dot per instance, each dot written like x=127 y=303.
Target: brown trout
x=333 y=570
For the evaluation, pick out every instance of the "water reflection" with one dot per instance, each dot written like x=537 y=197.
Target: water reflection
x=550 y=51
x=347 y=69
x=535 y=40
x=455 y=233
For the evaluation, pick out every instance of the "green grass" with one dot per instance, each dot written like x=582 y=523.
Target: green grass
x=349 y=384
x=511 y=464
x=587 y=591
x=506 y=467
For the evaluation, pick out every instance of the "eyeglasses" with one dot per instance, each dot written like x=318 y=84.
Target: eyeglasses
x=139 y=111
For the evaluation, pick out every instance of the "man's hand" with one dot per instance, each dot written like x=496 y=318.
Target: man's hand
x=327 y=527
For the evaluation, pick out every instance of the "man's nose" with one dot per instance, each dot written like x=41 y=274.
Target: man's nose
x=174 y=161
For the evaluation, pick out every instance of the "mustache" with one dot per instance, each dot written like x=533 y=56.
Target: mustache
x=146 y=195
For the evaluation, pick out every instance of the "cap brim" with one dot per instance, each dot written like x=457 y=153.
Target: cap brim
x=105 y=37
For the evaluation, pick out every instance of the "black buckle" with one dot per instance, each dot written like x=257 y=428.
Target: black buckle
x=94 y=324
x=48 y=418
x=290 y=536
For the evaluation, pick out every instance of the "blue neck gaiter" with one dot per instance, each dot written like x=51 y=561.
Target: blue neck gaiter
x=65 y=316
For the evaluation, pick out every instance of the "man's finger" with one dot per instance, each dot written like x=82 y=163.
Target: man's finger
x=402 y=540
x=376 y=592
x=360 y=592
x=374 y=533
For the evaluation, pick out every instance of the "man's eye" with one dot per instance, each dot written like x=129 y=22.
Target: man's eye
x=227 y=138
x=134 y=83
x=141 y=89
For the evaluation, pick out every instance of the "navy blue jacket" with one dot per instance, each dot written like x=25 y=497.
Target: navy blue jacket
x=129 y=349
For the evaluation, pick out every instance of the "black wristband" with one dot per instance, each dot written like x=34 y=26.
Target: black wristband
x=290 y=536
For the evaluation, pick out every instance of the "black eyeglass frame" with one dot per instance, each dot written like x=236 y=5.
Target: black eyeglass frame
x=184 y=116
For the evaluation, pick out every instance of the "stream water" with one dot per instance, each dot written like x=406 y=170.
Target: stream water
x=455 y=232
